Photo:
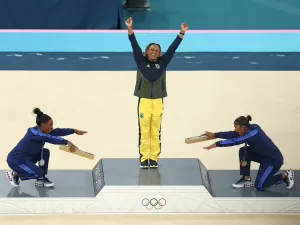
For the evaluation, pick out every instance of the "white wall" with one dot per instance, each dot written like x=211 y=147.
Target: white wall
x=103 y=104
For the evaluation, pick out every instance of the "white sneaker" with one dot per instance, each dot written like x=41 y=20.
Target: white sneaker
x=44 y=182
x=14 y=181
x=290 y=179
x=242 y=183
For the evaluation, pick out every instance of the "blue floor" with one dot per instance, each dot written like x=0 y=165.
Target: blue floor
x=123 y=61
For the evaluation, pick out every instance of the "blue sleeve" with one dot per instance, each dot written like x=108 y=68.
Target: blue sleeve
x=39 y=136
x=168 y=55
x=137 y=51
x=238 y=140
x=62 y=132
x=226 y=134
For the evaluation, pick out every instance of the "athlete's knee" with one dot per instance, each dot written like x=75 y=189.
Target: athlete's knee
x=259 y=187
x=144 y=138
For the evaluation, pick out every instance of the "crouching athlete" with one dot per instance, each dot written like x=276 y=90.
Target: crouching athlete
x=30 y=150
x=258 y=148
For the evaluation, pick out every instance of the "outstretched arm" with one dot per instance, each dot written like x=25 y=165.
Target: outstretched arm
x=62 y=132
x=168 y=55
x=234 y=141
x=222 y=135
x=39 y=136
x=237 y=140
x=65 y=132
x=137 y=51
x=226 y=134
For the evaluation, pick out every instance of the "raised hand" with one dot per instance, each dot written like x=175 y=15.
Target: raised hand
x=128 y=22
x=184 y=27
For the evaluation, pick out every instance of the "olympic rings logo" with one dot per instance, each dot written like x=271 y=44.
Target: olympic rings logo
x=154 y=203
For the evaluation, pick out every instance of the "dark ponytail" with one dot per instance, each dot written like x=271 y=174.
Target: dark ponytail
x=41 y=117
x=243 y=121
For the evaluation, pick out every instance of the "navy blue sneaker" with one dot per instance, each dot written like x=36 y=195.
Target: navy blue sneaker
x=153 y=164
x=44 y=182
x=144 y=164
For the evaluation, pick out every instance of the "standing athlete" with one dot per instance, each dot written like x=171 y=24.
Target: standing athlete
x=30 y=150
x=150 y=88
x=258 y=148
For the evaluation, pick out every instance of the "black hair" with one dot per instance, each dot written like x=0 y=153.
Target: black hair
x=148 y=46
x=243 y=121
x=41 y=117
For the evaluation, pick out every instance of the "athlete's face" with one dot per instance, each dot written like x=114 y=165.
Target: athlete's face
x=153 y=52
x=241 y=130
x=47 y=127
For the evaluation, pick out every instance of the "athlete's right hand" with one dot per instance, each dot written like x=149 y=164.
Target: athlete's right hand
x=72 y=147
x=128 y=22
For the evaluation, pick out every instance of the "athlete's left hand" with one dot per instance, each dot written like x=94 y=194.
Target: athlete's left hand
x=210 y=147
x=80 y=132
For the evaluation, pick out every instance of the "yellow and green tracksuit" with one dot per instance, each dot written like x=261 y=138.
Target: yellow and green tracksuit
x=150 y=113
x=150 y=88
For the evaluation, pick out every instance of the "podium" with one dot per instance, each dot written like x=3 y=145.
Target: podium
x=120 y=186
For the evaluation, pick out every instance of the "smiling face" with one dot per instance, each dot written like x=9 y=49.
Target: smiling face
x=47 y=126
x=153 y=52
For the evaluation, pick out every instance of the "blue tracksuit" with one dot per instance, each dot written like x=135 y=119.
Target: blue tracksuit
x=259 y=148
x=28 y=152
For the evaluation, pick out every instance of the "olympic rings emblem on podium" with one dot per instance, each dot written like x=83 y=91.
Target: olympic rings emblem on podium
x=154 y=203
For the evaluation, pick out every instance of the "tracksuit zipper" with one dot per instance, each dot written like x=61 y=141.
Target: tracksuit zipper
x=140 y=84
x=151 y=89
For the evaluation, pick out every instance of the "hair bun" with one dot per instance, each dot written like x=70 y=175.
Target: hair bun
x=38 y=112
x=249 y=118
